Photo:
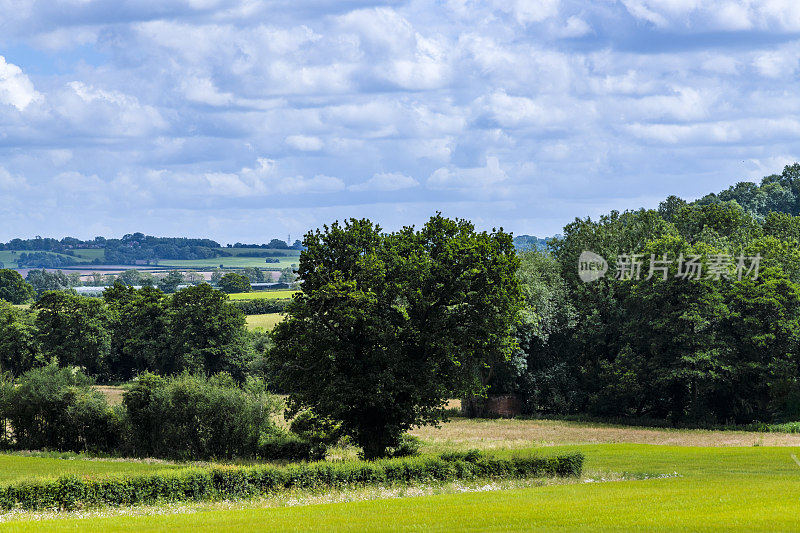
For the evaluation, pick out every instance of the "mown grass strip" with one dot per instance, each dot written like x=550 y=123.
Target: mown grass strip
x=71 y=492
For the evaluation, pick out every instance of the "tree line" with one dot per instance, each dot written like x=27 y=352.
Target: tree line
x=129 y=331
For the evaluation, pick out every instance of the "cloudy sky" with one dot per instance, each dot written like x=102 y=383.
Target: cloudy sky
x=247 y=120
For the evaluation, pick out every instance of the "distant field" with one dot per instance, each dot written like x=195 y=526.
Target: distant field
x=239 y=251
x=259 y=295
x=90 y=253
x=229 y=262
x=9 y=257
x=266 y=322
x=14 y=467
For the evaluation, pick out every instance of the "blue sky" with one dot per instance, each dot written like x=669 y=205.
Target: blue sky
x=246 y=120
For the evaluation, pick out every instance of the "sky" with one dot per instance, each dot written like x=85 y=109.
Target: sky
x=245 y=120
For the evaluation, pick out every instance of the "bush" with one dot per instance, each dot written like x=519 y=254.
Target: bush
x=290 y=447
x=408 y=446
x=194 y=417
x=262 y=306
x=69 y=492
x=56 y=408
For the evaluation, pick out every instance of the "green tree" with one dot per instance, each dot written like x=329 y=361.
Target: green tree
x=170 y=282
x=18 y=348
x=389 y=326
x=13 y=288
x=138 y=328
x=232 y=283
x=206 y=334
x=43 y=281
x=73 y=330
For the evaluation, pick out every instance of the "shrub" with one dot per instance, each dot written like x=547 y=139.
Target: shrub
x=68 y=492
x=279 y=445
x=194 y=417
x=408 y=446
x=56 y=408
x=262 y=306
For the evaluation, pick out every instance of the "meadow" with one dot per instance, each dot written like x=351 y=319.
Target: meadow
x=265 y=322
x=634 y=479
x=259 y=295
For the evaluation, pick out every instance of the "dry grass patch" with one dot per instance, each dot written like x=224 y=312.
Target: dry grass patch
x=466 y=433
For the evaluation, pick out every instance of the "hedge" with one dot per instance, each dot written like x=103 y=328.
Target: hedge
x=262 y=306
x=222 y=482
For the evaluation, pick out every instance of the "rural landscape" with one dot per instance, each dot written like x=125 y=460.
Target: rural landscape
x=358 y=265
x=445 y=377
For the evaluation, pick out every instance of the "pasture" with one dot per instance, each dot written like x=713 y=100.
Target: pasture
x=259 y=295
x=634 y=479
x=15 y=467
x=265 y=322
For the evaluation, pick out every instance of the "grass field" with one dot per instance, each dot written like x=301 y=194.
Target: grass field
x=258 y=295
x=644 y=479
x=16 y=467
x=665 y=488
x=266 y=321
x=9 y=257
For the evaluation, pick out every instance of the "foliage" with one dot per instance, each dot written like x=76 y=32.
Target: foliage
x=194 y=417
x=73 y=330
x=170 y=282
x=388 y=326
x=43 y=281
x=233 y=282
x=56 y=408
x=19 y=351
x=262 y=306
x=205 y=334
x=69 y=492
x=13 y=288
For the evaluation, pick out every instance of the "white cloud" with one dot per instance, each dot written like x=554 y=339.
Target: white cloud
x=468 y=178
x=386 y=181
x=305 y=143
x=15 y=87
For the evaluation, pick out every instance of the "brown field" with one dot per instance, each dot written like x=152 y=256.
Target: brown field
x=112 y=394
x=503 y=433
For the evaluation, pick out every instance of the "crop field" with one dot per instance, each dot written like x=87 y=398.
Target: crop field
x=266 y=322
x=229 y=262
x=245 y=251
x=269 y=295
x=634 y=479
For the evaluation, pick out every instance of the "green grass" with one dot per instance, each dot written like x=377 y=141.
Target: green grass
x=710 y=489
x=258 y=295
x=266 y=322
x=90 y=253
x=16 y=467
x=9 y=257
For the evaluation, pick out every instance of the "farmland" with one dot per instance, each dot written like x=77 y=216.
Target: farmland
x=713 y=481
x=258 y=295
x=265 y=322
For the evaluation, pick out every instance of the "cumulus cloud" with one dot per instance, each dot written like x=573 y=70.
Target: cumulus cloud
x=386 y=181
x=305 y=143
x=468 y=178
x=202 y=110
x=15 y=87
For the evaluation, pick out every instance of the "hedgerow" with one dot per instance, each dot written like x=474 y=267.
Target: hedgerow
x=262 y=306
x=223 y=482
